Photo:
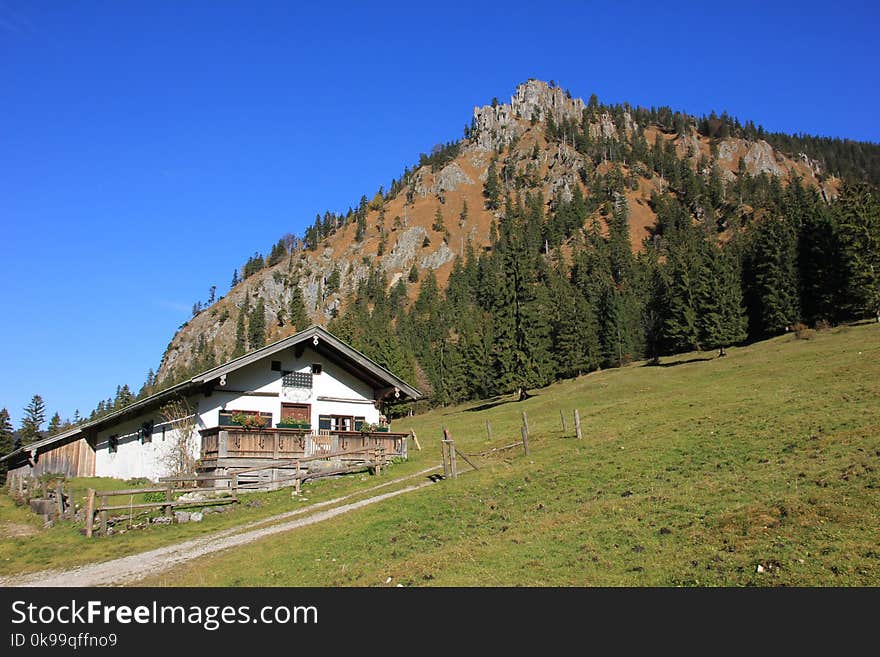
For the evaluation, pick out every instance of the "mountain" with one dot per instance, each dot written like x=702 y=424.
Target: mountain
x=582 y=160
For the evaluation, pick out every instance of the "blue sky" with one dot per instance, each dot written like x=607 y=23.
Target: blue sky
x=147 y=149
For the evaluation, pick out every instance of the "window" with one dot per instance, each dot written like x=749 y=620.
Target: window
x=336 y=422
x=225 y=417
x=113 y=443
x=145 y=433
x=358 y=423
x=276 y=365
x=316 y=368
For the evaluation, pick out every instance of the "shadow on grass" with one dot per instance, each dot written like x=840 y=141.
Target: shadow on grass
x=497 y=401
x=675 y=363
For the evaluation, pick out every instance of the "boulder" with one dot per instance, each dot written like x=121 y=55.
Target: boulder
x=181 y=516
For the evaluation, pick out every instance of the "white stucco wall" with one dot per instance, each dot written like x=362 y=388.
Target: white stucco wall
x=258 y=377
x=133 y=459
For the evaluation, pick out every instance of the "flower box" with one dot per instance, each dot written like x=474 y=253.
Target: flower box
x=293 y=425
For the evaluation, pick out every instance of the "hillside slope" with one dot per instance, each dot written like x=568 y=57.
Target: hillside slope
x=542 y=141
x=756 y=469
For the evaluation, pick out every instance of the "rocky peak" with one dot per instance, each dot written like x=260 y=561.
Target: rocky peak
x=539 y=100
x=497 y=125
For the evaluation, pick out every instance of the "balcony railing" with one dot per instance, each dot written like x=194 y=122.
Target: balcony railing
x=220 y=443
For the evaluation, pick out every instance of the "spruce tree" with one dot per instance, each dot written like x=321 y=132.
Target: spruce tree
x=575 y=331
x=54 y=424
x=7 y=441
x=34 y=416
x=413 y=274
x=771 y=277
x=858 y=212
x=298 y=316
x=256 y=329
x=492 y=188
x=240 y=335
x=821 y=269
x=721 y=316
x=438 y=221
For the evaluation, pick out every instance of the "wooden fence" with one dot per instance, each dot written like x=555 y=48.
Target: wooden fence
x=449 y=453
x=167 y=505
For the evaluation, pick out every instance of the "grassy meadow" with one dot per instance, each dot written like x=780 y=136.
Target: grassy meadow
x=760 y=468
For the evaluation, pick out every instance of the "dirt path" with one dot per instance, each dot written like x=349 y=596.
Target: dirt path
x=130 y=569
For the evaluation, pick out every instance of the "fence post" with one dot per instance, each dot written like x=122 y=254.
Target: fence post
x=168 y=506
x=450 y=448
x=562 y=417
x=297 y=482
x=488 y=431
x=90 y=511
x=525 y=421
x=415 y=440
x=577 y=423
x=70 y=510
x=234 y=480
x=525 y=438
x=103 y=515
x=59 y=499
x=443 y=450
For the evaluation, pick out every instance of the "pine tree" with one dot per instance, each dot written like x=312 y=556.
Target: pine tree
x=54 y=424
x=7 y=441
x=235 y=279
x=299 y=318
x=858 y=211
x=34 y=416
x=413 y=274
x=463 y=215
x=256 y=329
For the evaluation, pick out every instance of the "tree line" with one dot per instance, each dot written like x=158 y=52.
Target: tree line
x=521 y=314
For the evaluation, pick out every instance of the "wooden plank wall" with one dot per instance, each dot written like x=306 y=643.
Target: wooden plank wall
x=72 y=459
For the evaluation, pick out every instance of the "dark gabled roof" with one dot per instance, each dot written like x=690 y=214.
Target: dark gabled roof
x=338 y=351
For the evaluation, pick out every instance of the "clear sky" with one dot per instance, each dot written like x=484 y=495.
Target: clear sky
x=148 y=148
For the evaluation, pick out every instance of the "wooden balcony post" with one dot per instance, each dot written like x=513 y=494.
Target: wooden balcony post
x=222 y=444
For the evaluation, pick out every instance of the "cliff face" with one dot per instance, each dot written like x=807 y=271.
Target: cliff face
x=512 y=134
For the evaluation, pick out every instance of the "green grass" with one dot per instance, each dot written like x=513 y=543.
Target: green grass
x=692 y=474
x=26 y=546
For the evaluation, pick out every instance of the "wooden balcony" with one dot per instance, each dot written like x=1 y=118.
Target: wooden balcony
x=228 y=447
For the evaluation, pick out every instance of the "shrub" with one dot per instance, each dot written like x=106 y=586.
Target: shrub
x=802 y=331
